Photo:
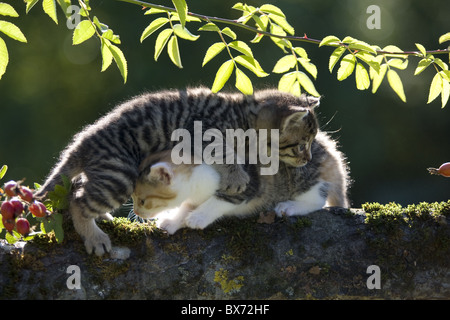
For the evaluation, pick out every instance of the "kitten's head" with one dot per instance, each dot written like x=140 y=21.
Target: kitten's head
x=297 y=124
x=155 y=190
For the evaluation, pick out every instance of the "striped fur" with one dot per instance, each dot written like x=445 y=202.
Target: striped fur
x=188 y=198
x=103 y=159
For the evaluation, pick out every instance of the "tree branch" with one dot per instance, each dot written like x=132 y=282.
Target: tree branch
x=305 y=38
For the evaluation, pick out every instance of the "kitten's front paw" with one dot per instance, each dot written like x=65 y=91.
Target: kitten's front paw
x=288 y=208
x=236 y=182
x=171 y=226
x=97 y=241
x=197 y=221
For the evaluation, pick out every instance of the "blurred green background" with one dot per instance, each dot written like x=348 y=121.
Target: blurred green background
x=52 y=89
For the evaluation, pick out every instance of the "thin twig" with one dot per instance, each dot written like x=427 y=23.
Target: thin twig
x=305 y=38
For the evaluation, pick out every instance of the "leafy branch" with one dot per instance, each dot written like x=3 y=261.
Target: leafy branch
x=371 y=64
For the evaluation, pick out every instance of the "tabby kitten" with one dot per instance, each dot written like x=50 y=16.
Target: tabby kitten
x=103 y=159
x=189 y=191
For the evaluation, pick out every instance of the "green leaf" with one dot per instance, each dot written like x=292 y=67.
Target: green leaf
x=369 y=59
x=174 y=52
x=161 y=41
x=445 y=94
x=243 y=83
x=270 y=8
x=238 y=6
x=184 y=33
x=310 y=67
x=64 y=5
x=222 y=75
x=107 y=56
x=152 y=27
x=84 y=31
x=209 y=27
x=261 y=22
x=213 y=51
x=441 y=64
x=422 y=49
x=120 y=60
x=422 y=65
x=182 y=10
x=242 y=47
x=4 y=58
x=398 y=63
x=444 y=37
x=49 y=7
x=346 y=67
x=12 y=31
x=109 y=35
x=154 y=11
x=445 y=74
x=251 y=64
x=306 y=83
x=349 y=40
x=7 y=10
x=282 y=22
x=287 y=82
x=284 y=64
x=377 y=77
x=30 y=4
x=257 y=38
x=334 y=58
x=3 y=171
x=361 y=45
x=301 y=52
x=229 y=33
x=10 y=238
x=396 y=84
x=391 y=48
x=435 y=88
x=175 y=17
x=281 y=43
x=361 y=77
x=329 y=40
x=57 y=227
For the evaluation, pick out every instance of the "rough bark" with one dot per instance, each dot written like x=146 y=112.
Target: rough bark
x=323 y=256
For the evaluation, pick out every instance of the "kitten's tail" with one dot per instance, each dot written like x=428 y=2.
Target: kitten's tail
x=67 y=168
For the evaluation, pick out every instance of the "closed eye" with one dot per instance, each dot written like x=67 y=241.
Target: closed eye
x=292 y=145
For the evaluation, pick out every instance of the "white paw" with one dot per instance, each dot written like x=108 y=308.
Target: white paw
x=289 y=208
x=197 y=221
x=171 y=226
x=97 y=241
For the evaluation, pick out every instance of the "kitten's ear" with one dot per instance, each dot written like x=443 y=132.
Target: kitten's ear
x=310 y=101
x=162 y=172
x=295 y=116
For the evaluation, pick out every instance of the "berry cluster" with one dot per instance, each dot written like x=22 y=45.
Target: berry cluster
x=19 y=202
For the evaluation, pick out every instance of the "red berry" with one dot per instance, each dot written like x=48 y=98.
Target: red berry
x=23 y=226
x=11 y=188
x=26 y=194
x=38 y=209
x=444 y=170
x=8 y=224
x=17 y=205
x=7 y=210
